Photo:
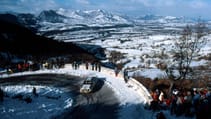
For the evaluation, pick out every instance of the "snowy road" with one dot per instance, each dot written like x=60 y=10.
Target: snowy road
x=100 y=104
x=114 y=99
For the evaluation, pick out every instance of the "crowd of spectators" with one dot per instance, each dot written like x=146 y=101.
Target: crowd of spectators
x=49 y=64
x=189 y=103
x=28 y=65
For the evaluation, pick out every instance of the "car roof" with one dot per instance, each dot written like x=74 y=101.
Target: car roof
x=90 y=78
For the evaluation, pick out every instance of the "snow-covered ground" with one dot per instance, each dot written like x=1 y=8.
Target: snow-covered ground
x=141 y=46
x=132 y=102
x=50 y=102
x=145 y=43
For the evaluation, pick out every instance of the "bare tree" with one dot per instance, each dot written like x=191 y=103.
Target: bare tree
x=115 y=56
x=187 y=47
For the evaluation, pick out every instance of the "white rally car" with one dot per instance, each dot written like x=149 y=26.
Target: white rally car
x=88 y=85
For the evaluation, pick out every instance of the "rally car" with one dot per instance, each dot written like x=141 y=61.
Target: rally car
x=88 y=85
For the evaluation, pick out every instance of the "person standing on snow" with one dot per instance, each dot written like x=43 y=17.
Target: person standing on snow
x=99 y=67
x=34 y=91
x=87 y=65
x=93 y=66
x=1 y=95
x=126 y=77
x=116 y=71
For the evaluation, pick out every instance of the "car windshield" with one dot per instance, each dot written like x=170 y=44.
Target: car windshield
x=88 y=82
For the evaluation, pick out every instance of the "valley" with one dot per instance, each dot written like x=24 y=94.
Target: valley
x=143 y=42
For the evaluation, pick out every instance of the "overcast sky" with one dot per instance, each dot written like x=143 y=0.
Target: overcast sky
x=189 y=8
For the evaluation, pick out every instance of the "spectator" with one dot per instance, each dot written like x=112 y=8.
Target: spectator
x=1 y=95
x=161 y=97
x=173 y=104
x=125 y=73
x=99 y=67
x=87 y=65
x=93 y=65
x=196 y=98
x=160 y=115
x=179 y=105
x=19 y=67
x=187 y=104
x=96 y=66
x=154 y=104
x=73 y=65
x=116 y=71
x=34 y=91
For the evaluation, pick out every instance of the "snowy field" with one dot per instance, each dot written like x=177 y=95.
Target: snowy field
x=144 y=43
x=143 y=46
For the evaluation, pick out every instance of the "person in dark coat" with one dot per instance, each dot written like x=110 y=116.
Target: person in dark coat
x=96 y=66
x=99 y=67
x=116 y=71
x=1 y=95
x=125 y=73
x=34 y=91
x=160 y=115
x=93 y=65
x=87 y=65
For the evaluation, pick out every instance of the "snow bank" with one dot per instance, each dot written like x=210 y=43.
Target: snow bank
x=198 y=63
x=49 y=102
x=150 y=73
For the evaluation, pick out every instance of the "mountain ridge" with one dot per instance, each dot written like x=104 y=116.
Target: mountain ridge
x=96 y=17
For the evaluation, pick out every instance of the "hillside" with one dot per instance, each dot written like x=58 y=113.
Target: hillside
x=20 y=41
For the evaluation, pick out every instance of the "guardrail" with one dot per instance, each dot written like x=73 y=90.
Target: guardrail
x=142 y=91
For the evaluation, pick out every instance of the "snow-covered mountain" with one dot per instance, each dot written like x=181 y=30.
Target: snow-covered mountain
x=51 y=16
x=94 y=17
x=82 y=17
